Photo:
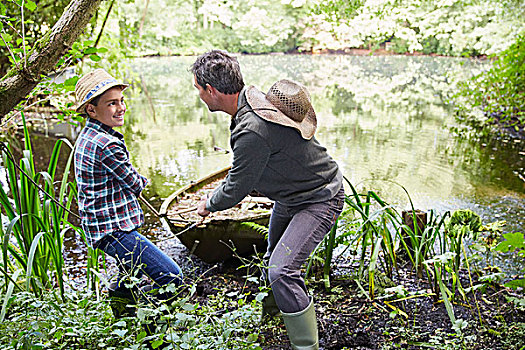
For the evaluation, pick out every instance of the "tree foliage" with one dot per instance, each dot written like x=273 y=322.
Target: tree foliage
x=38 y=19
x=31 y=63
x=446 y=27
x=500 y=91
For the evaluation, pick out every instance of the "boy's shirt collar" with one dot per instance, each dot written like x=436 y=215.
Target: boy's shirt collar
x=96 y=124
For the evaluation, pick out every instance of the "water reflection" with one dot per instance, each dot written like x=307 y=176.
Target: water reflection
x=385 y=119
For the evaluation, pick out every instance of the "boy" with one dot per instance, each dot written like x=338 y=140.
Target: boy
x=108 y=185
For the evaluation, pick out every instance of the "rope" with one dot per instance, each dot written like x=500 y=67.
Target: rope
x=190 y=227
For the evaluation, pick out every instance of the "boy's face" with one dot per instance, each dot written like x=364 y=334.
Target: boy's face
x=110 y=109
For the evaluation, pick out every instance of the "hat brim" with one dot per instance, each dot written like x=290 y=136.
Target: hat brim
x=80 y=108
x=266 y=110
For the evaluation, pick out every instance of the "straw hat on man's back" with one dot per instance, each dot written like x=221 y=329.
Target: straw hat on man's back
x=286 y=103
x=93 y=85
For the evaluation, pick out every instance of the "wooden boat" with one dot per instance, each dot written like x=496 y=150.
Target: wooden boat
x=222 y=234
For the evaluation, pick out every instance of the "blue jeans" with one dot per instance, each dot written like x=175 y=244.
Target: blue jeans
x=134 y=251
x=294 y=232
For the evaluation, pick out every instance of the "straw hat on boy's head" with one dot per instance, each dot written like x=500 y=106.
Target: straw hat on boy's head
x=92 y=85
x=286 y=103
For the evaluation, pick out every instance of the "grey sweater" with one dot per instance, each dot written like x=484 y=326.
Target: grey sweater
x=276 y=161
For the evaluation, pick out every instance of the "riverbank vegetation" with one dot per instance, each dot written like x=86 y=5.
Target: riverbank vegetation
x=497 y=96
x=382 y=279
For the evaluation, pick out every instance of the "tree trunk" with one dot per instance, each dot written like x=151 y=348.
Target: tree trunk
x=18 y=83
x=143 y=18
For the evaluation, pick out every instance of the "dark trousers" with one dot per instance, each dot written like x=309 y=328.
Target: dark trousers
x=294 y=232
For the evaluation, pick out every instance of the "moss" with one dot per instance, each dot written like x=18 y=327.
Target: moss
x=10 y=73
x=41 y=43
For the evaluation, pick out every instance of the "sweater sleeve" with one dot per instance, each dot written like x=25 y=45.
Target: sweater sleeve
x=250 y=156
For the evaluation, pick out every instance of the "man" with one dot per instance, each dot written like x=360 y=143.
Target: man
x=275 y=153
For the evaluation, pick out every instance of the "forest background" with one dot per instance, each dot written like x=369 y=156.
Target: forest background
x=110 y=33
x=176 y=27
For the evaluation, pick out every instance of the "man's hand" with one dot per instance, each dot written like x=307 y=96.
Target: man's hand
x=201 y=207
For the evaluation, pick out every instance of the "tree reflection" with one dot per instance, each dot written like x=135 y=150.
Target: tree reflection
x=385 y=119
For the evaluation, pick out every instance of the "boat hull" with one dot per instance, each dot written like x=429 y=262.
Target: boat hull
x=217 y=239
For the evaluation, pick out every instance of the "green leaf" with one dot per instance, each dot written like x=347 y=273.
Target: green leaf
x=71 y=81
x=157 y=343
x=31 y=6
x=141 y=336
x=513 y=241
x=90 y=50
x=120 y=324
x=2 y=11
x=260 y=296
x=95 y=58
x=120 y=332
x=188 y=307
x=516 y=284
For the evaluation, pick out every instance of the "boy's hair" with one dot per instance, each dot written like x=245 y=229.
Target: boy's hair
x=94 y=101
x=219 y=69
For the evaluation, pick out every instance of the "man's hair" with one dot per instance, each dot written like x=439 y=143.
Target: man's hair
x=219 y=69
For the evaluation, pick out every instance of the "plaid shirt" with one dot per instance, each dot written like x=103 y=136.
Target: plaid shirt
x=108 y=185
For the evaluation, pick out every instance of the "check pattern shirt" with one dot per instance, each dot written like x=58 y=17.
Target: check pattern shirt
x=108 y=185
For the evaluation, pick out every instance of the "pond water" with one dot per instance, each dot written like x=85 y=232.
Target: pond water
x=385 y=119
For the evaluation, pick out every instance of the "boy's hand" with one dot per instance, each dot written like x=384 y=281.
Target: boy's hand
x=201 y=207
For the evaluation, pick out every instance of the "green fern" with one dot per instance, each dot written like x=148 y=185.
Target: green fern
x=261 y=229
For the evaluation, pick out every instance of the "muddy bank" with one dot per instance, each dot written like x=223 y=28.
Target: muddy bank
x=347 y=319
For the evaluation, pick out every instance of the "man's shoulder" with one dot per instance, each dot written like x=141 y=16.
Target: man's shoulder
x=265 y=128
x=252 y=120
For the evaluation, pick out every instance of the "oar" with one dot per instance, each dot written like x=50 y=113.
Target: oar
x=150 y=207
x=154 y=211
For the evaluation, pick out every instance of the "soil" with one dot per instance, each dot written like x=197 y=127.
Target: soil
x=347 y=319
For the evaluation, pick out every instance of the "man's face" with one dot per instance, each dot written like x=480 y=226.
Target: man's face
x=206 y=96
x=110 y=109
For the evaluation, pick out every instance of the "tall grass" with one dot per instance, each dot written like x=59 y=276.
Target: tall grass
x=33 y=239
x=382 y=237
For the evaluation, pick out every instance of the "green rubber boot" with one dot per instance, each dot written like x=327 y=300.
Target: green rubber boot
x=302 y=328
x=269 y=307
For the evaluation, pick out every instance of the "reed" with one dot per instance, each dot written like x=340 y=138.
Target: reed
x=33 y=239
x=376 y=235
x=381 y=236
